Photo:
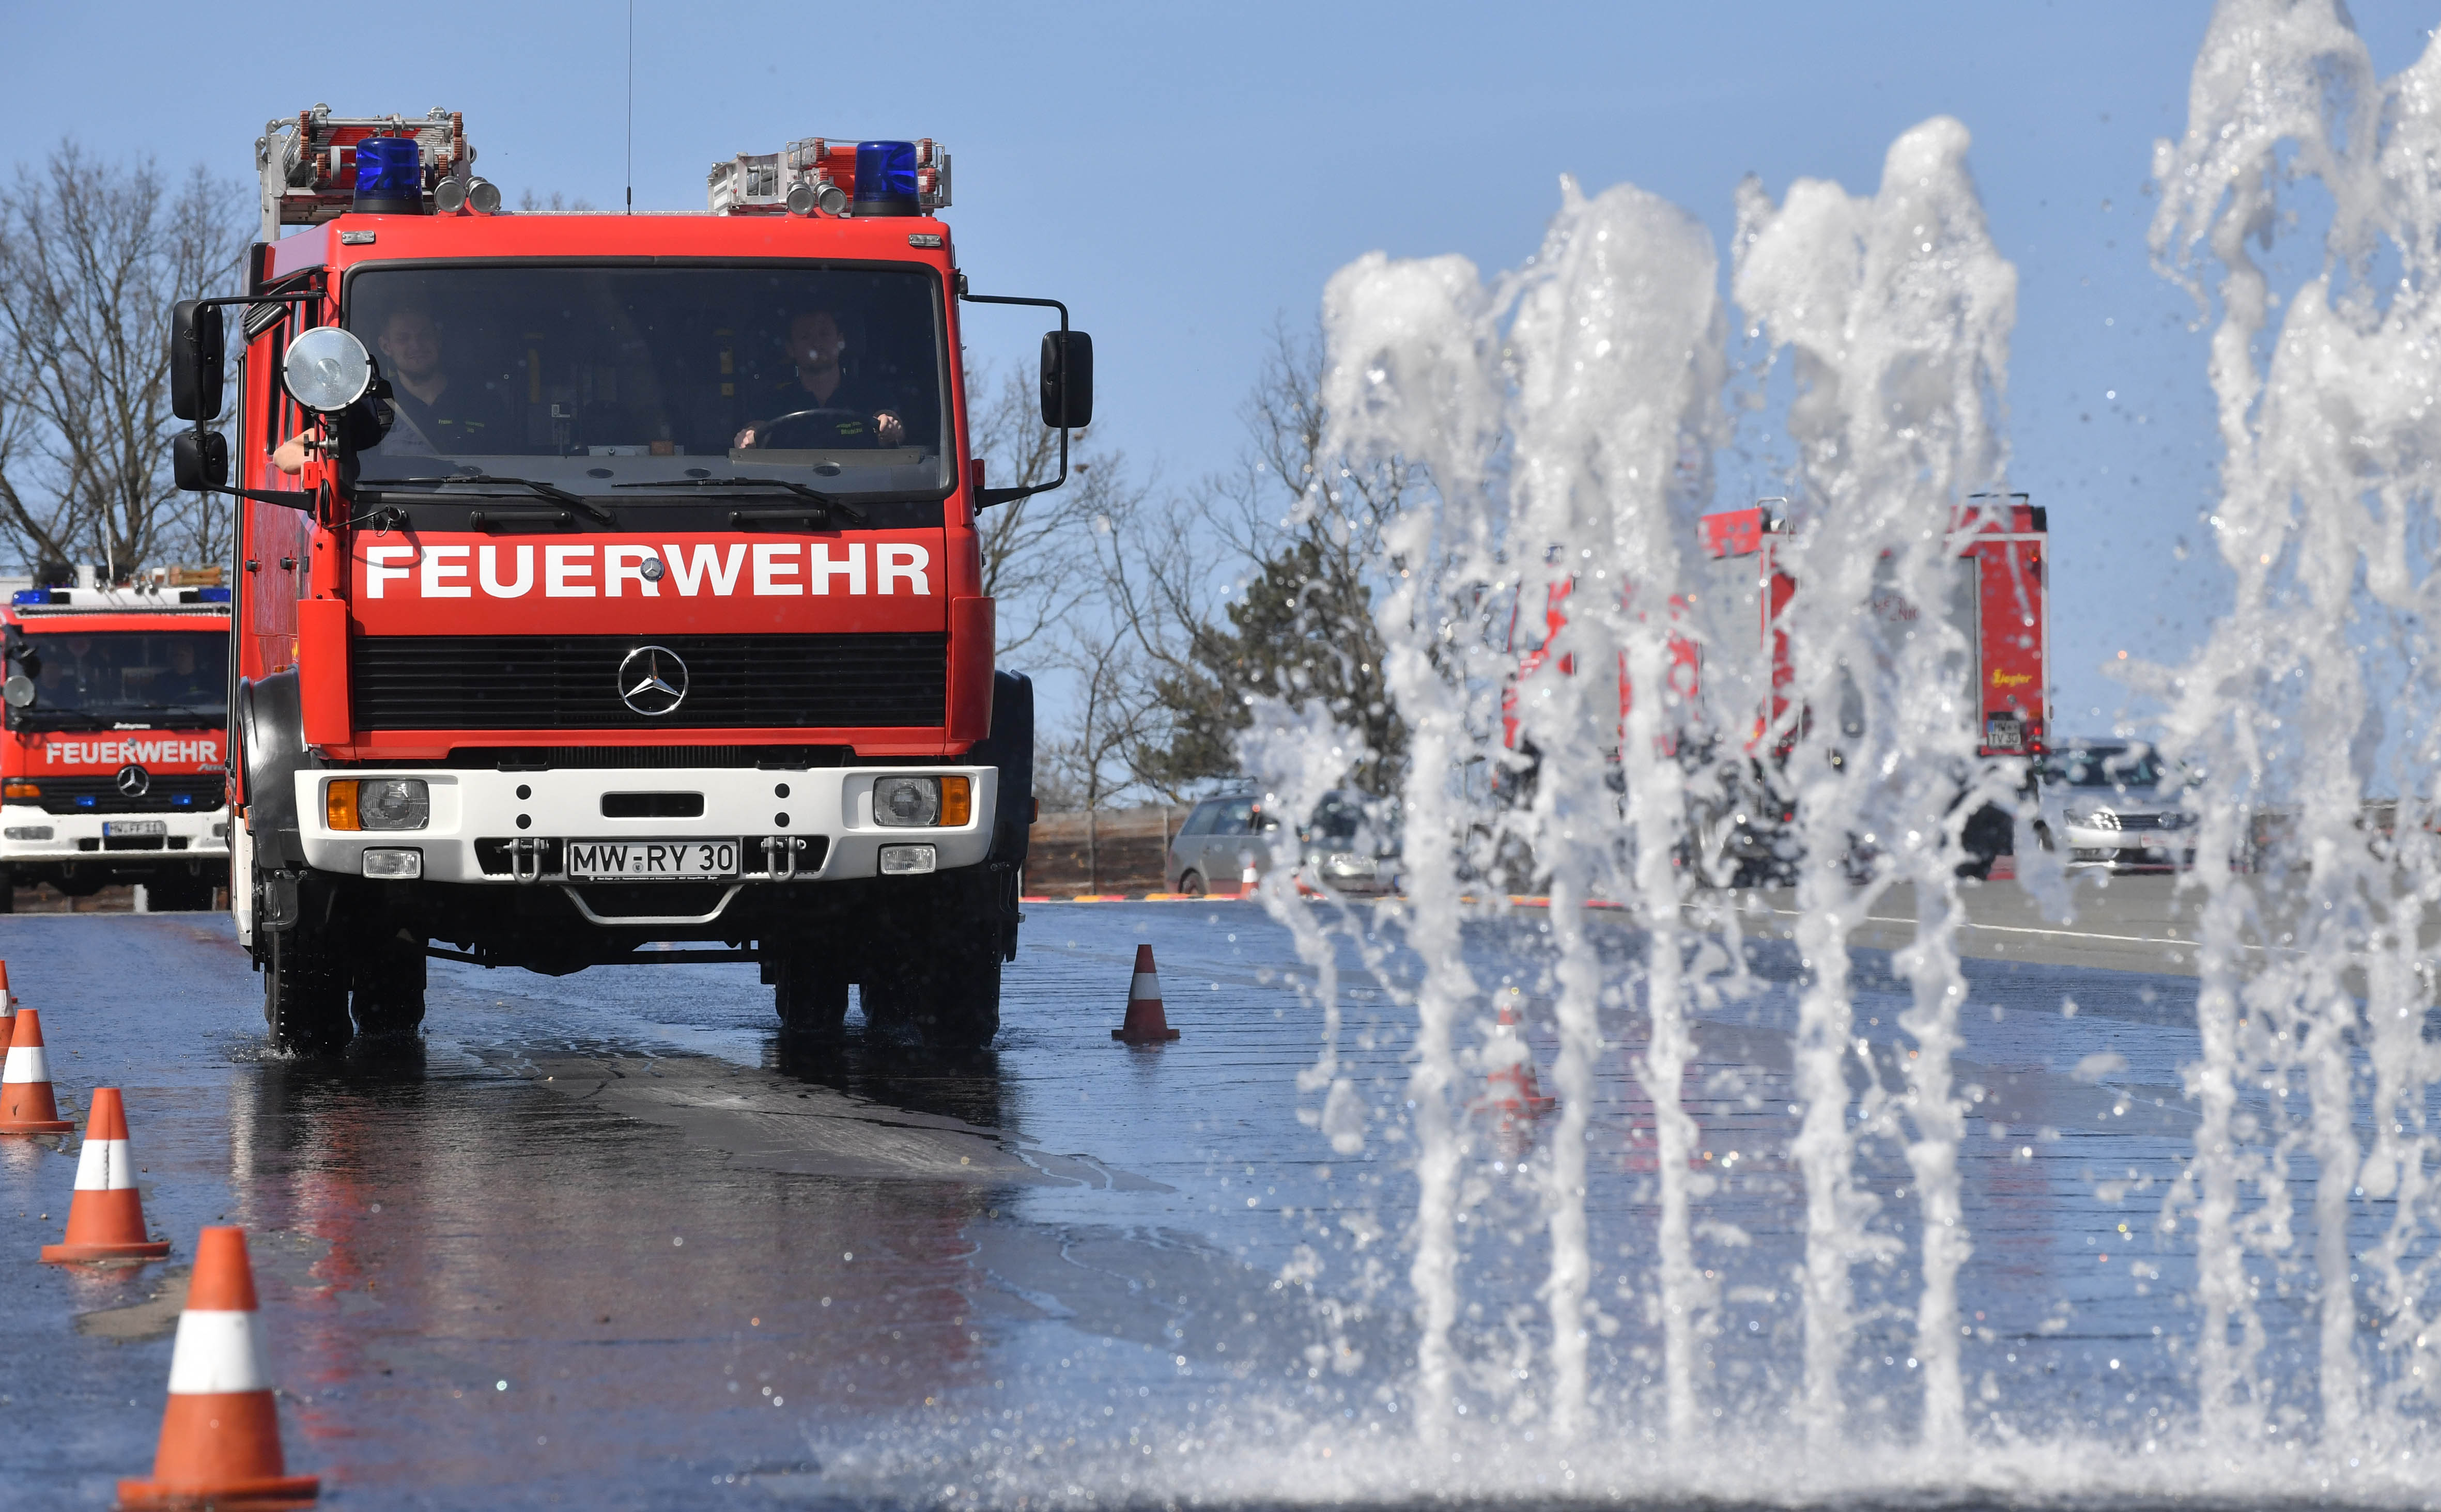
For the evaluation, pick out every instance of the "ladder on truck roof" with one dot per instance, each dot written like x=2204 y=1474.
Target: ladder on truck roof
x=308 y=161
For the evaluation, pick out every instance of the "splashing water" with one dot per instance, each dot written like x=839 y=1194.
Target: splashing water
x=2327 y=511
x=1565 y=415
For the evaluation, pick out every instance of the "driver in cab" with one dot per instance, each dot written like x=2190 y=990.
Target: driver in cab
x=817 y=405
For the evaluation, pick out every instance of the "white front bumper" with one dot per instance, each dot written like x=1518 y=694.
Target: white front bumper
x=78 y=836
x=835 y=803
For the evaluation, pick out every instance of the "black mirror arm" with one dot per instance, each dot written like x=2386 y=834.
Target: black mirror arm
x=294 y=498
x=991 y=497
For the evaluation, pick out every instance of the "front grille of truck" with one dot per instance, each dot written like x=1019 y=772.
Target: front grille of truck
x=539 y=682
x=198 y=793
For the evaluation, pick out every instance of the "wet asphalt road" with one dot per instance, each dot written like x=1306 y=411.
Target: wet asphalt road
x=604 y=1240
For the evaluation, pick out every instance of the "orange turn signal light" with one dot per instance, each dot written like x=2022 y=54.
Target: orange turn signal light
x=19 y=787
x=339 y=805
x=957 y=800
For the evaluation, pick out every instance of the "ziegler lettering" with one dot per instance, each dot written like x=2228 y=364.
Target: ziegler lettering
x=763 y=570
x=2011 y=679
x=119 y=752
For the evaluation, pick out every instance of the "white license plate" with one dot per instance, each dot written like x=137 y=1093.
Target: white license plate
x=135 y=826
x=670 y=860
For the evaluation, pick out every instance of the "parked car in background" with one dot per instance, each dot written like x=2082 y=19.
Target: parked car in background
x=1350 y=844
x=1221 y=844
x=2115 y=803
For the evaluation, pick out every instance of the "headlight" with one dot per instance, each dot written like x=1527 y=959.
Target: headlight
x=378 y=803
x=922 y=802
x=29 y=832
x=908 y=860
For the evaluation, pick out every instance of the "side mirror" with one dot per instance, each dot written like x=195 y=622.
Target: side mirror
x=199 y=460
x=327 y=370
x=198 y=352
x=1067 y=378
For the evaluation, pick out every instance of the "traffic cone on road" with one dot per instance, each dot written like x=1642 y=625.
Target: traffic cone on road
x=26 y=1102
x=1145 y=1024
x=106 y=1216
x=220 y=1437
x=1511 y=1090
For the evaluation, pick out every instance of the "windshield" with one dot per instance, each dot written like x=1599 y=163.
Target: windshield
x=126 y=676
x=826 y=376
x=2118 y=767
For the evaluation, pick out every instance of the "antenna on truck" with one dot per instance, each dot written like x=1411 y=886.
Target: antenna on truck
x=631 y=107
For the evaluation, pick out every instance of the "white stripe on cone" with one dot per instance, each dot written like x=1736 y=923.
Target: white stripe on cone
x=1143 y=987
x=103 y=1165
x=26 y=1063
x=218 y=1352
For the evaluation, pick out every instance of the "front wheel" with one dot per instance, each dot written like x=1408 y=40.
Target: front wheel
x=812 y=997
x=951 y=998
x=305 y=992
x=387 y=987
x=1191 y=885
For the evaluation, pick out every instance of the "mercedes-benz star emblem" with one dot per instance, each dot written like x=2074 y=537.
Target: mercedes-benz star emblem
x=134 y=780
x=652 y=681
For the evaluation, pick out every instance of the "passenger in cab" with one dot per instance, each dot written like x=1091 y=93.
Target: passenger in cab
x=432 y=415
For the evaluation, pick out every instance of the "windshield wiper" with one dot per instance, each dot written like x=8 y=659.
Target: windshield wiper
x=770 y=485
x=558 y=495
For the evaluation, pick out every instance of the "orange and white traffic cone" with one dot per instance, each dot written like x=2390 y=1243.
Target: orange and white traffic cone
x=1145 y=1024
x=1510 y=1090
x=27 y=1106
x=220 y=1437
x=106 y=1216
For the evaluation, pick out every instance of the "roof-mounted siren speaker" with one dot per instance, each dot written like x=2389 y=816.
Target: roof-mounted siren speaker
x=885 y=179
x=389 y=176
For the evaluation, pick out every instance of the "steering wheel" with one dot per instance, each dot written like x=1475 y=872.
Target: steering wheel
x=764 y=433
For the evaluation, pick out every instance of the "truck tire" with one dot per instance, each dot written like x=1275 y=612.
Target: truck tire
x=810 y=996
x=305 y=992
x=8 y=890
x=387 y=992
x=950 y=998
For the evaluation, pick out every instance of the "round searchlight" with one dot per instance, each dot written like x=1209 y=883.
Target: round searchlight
x=327 y=370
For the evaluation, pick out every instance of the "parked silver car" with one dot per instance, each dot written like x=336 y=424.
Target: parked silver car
x=1226 y=844
x=1220 y=846
x=2115 y=803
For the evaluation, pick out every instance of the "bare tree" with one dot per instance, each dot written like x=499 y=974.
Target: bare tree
x=1092 y=763
x=1261 y=583
x=93 y=254
x=1036 y=563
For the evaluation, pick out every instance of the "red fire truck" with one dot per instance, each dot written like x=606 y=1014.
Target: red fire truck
x=111 y=762
x=1739 y=683
x=625 y=592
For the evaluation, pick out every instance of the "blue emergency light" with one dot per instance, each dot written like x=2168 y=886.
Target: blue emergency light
x=216 y=596
x=389 y=176
x=26 y=596
x=885 y=179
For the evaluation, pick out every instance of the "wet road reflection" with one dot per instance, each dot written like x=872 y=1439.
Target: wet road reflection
x=609 y=1239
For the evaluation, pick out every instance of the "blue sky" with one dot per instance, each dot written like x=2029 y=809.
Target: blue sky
x=1186 y=175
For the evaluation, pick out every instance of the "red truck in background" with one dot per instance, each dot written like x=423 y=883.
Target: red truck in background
x=1739 y=683
x=112 y=759
x=626 y=591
